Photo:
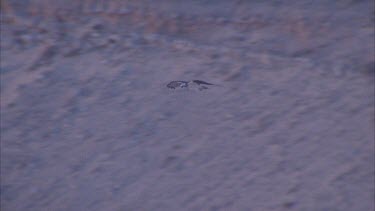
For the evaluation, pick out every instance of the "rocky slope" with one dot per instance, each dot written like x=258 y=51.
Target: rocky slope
x=87 y=122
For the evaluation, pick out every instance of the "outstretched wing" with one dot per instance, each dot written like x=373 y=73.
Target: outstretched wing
x=199 y=82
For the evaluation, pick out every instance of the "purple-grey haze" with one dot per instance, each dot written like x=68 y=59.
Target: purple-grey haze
x=87 y=122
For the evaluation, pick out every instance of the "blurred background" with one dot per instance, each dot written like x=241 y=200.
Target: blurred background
x=87 y=122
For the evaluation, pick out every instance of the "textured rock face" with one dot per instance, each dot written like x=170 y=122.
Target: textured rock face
x=87 y=122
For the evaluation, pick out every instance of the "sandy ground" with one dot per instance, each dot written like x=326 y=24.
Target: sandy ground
x=87 y=122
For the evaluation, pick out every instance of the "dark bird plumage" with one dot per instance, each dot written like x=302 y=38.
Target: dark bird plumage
x=194 y=84
x=199 y=82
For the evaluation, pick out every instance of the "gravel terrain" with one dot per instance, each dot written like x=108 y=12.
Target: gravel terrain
x=87 y=122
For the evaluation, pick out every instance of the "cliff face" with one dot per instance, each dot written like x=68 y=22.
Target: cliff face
x=87 y=122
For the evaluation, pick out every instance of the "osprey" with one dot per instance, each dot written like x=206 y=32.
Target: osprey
x=198 y=84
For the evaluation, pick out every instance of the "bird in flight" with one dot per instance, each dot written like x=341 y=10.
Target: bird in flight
x=198 y=84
